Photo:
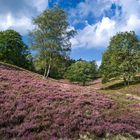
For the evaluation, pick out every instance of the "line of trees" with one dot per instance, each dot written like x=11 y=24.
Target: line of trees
x=51 y=41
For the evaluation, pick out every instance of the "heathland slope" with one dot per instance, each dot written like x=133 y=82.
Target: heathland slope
x=36 y=109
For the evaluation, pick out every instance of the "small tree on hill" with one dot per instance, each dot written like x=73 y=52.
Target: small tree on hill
x=121 y=58
x=80 y=71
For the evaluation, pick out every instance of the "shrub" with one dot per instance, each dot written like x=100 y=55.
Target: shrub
x=81 y=72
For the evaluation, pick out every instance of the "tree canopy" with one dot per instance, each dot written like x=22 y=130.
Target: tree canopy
x=122 y=57
x=80 y=71
x=13 y=50
x=51 y=37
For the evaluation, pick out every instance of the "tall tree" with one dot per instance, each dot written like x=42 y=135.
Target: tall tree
x=122 y=57
x=13 y=50
x=51 y=37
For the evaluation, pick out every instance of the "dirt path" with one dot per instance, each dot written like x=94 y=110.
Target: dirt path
x=92 y=87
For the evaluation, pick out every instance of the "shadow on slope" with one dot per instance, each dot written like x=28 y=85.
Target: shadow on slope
x=115 y=85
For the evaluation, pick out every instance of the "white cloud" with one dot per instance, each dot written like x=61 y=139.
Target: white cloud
x=96 y=35
x=98 y=63
x=21 y=25
x=133 y=23
x=99 y=34
x=18 y=15
x=130 y=7
x=89 y=7
x=38 y=4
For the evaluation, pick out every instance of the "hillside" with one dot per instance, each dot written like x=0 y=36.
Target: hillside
x=36 y=109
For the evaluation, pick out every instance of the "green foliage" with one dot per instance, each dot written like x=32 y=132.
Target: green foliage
x=51 y=37
x=122 y=57
x=13 y=50
x=80 y=71
x=58 y=68
x=94 y=69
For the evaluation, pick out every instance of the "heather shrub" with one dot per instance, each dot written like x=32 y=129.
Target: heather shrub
x=33 y=108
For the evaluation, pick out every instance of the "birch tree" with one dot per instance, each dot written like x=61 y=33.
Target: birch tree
x=51 y=37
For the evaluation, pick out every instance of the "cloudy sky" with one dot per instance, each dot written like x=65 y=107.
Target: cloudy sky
x=95 y=21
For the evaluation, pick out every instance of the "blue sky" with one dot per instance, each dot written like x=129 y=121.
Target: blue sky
x=96 y=21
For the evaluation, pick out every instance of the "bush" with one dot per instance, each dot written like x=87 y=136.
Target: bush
x=81 y=72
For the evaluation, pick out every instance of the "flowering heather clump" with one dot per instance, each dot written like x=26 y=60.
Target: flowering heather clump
x=32 y=108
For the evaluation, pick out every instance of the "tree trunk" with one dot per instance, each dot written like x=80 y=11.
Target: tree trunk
x=49 y=67
x=129 y=80
x=125 y=81
x=45 y=71
x=84 y=83
x=48 y=71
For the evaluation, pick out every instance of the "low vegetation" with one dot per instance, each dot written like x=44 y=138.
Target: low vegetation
x=33 y=108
